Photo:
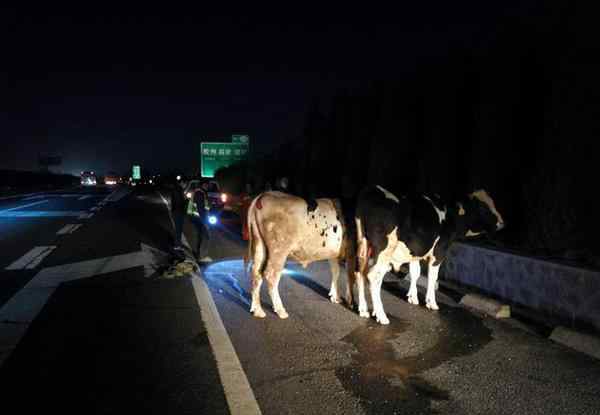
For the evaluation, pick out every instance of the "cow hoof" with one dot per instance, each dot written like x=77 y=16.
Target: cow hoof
x=413 y=299
x=432 y=306
x=364 y=314
x=334 y=300
x=282 y=314
x=383 y=320
x=259 y=314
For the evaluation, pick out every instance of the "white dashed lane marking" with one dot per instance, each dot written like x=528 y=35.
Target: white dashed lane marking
x=69 y=229
x=32 y=258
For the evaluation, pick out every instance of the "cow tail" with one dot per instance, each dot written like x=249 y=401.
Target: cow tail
x=251 y=223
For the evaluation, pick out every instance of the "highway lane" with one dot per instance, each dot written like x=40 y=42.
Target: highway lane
x=126 y=341
x=31 y=223
x=326 y=359
x=107 y=337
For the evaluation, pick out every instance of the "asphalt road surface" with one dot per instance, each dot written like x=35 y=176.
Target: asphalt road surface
x=87 y=326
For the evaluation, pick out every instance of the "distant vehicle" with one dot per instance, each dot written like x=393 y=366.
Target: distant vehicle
x=88 y=178
x=111 y=179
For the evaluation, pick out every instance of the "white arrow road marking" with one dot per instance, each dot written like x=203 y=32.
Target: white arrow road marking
x=18 y=312
x=32 y=258
x=23 y=206
x=68 y=229
x=95 y=208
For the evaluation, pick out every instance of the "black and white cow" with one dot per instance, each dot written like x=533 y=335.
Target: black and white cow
x=394 y=230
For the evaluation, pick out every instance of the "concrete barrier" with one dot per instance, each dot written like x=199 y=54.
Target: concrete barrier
x=486 y=305
x=583 y=343
x=569 y=293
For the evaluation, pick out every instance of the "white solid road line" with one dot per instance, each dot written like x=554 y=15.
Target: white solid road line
x=23 y=206
x=32 y=258
x=85 y=215
x=239 y=394
x=69 y=229
x=84 y=197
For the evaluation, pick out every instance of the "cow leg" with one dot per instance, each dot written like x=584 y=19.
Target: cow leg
x=363 y=309
x=335 y=275
x=375 y=277
x=257 y=264
x=351 y=280
x=273 y=275
x=432 y=276
x=415 y=273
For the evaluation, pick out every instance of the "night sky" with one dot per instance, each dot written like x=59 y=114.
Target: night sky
x=105 y=88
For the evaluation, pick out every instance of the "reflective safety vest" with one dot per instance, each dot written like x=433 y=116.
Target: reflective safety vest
x=192 y=208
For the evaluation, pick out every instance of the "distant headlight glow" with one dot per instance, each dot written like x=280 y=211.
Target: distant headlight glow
x=224 y=197
x=188 y=195
x=212 y=219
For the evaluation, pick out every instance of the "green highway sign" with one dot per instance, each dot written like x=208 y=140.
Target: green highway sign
x=216 y=155
x=244 y=139
x=137 y=173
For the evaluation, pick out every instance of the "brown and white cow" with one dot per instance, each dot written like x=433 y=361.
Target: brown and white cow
x=283 y=226
x=394 y=230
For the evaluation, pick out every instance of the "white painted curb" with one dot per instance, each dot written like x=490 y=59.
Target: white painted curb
x=584 y=343
x=486 y=305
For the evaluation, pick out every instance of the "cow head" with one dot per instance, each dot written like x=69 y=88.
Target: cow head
x=482 y=215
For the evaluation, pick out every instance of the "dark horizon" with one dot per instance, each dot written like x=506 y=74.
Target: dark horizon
x=108 y=90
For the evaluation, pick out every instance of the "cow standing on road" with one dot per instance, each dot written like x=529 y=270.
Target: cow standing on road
x=397 y=230
x=281 y=225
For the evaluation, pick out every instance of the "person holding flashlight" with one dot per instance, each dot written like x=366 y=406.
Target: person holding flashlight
x=199 y=218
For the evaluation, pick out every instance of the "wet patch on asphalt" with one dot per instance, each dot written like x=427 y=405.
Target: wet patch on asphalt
x=386 y=383
x=223 y=283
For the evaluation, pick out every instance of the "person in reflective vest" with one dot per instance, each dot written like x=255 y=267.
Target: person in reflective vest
x=198 y=208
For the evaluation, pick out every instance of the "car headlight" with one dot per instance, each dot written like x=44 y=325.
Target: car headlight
x=212 y=219
x=188 y=195
x=224 y=197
